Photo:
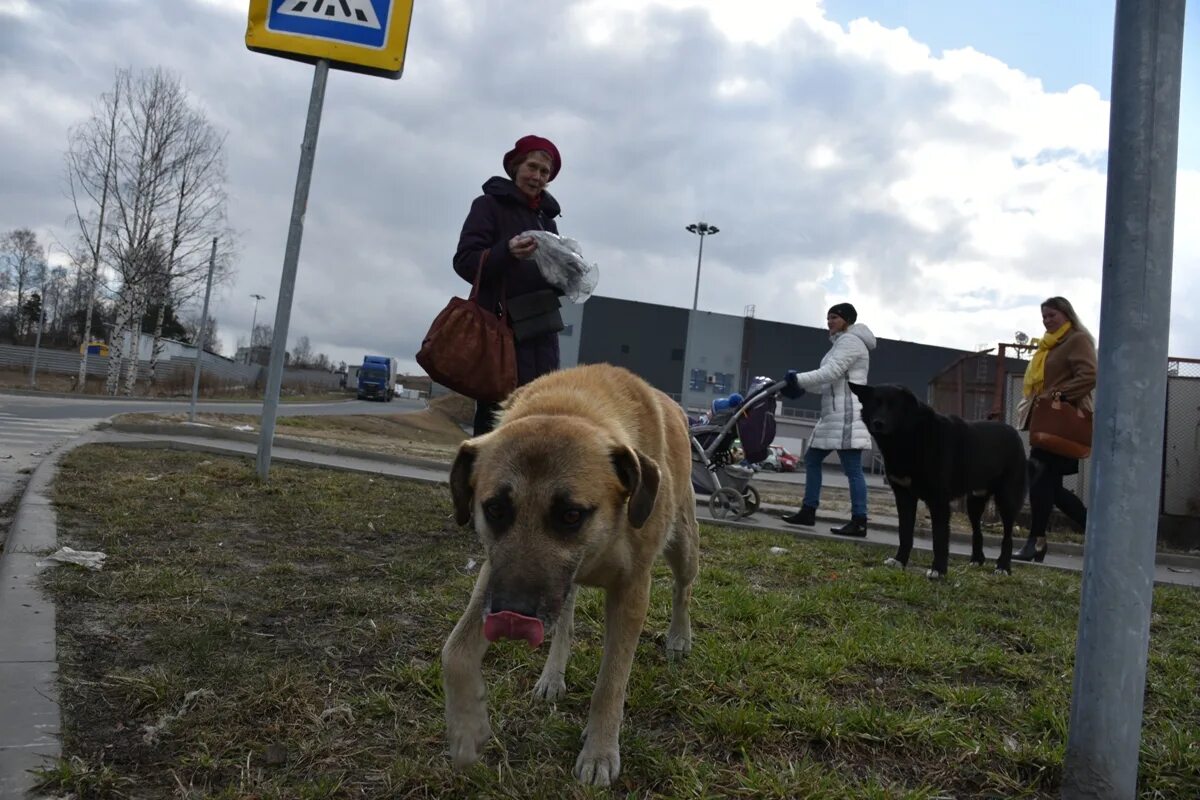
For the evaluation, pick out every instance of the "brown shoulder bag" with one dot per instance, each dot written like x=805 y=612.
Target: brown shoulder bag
x=1057 y=426
x=470 y=350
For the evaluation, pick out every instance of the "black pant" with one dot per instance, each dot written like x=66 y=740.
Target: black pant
x=485 y=417
x=1046 y=490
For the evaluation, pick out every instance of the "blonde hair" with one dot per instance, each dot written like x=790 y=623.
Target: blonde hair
x=1064 y=307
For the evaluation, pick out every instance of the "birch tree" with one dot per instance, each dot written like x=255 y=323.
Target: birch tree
x=91 y=163
x=147 y=175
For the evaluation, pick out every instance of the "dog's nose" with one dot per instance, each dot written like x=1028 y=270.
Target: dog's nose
x=511 y=601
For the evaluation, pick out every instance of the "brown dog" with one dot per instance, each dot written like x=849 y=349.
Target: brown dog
x=586 y=480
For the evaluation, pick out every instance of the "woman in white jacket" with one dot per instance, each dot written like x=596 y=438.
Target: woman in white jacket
x=841 y=427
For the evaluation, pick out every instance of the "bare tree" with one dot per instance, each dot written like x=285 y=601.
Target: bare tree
x=262 y=335
x=199 y=214
x=147 y=177
x=302 y=352
x=25 y=259
x=91 y=164
x=192 y=327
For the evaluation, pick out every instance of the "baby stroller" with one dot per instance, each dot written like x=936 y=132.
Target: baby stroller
x=750 y=419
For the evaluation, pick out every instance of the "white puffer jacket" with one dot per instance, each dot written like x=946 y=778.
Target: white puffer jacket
x=841 y=426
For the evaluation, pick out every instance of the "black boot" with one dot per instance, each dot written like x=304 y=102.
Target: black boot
x=857 y=526
x=1030 y=551
x=807 y=515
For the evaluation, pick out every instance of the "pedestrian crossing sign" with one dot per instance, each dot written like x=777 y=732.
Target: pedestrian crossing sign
x=360 y=35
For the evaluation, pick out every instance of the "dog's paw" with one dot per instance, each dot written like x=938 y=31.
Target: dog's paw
x=467 y=732
x=678 y=644
x=894 y=563
x=1005 y=571
x=550 y=688
x=934 y=575
x=598 y=766
x=974 y=563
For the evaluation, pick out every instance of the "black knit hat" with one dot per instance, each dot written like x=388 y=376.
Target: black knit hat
x=845 y=311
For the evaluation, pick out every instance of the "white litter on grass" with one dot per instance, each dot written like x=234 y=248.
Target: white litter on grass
x=243 y=428
x=1010 y=744
x=471 y=564
x=92 y=559
x=338 y=712
x=154 y=477
x=151 y=732
x=778 y=551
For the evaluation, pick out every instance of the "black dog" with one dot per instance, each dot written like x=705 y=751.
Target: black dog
x=936 y=458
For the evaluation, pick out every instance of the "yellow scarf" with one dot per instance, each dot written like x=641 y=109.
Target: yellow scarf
x=1035 y=375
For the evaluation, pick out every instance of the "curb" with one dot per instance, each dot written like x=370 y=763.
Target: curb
x=201 y=432
x=30 y=720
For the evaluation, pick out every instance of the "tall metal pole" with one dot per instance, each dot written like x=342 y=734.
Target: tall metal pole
x=699 y=259
x=701 y=229
x=37 y=342
x=1118 y=566
x=291 y=256
x=202 y=336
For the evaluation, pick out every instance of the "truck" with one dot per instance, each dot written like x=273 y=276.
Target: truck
x=377 y=378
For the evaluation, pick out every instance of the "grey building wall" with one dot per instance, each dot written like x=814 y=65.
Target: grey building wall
x=645 y=338
x=714 y=359
x=569 y=336
x=649 y=340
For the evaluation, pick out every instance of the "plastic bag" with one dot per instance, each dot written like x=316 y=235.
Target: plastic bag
x=561 y=262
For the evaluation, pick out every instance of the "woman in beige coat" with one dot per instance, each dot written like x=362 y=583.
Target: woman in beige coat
x=1064 y=365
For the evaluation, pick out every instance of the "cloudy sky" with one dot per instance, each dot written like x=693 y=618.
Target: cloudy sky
x=939 y=163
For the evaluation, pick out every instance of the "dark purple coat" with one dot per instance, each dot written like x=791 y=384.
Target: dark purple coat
x=496 y=216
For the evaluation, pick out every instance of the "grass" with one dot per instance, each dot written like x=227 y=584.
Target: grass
x=250 y=640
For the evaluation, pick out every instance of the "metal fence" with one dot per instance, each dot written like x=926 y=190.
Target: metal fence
x=1181 y=439
x=171 y=370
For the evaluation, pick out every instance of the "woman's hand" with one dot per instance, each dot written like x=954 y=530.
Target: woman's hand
x=522 y=247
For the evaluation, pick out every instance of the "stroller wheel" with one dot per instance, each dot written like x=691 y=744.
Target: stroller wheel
x=726 y=502
x=751 y=499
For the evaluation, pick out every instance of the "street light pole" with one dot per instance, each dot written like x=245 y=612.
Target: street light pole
x=37 y=342
x=701 y=229
x=253 y=324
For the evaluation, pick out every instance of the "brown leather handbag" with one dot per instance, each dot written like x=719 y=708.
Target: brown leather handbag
x=1059 y=427
x=470 y=350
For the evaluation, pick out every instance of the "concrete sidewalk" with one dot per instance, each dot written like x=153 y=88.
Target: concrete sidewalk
x=29 y=713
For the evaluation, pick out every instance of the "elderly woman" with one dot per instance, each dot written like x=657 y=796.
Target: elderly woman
x=492 y=241
x=841 y=427
x=1064 y=365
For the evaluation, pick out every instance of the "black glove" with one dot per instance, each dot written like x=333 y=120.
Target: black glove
x=793 y=390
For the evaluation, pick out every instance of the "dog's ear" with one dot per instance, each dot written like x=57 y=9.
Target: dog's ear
x=861 y=391
x=460 y=481
x=639 y=475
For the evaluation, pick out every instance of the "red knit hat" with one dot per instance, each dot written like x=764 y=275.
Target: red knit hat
x=528 y=144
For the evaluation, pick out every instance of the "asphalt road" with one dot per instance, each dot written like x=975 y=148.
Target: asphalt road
x=32 y=427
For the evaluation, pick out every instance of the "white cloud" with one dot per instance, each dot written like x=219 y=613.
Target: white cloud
x=943 y=194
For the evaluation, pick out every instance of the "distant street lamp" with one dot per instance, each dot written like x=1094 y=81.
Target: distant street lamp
x=701 y=229
x=253 y=322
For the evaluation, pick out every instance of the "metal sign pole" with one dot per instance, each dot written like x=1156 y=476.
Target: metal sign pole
x=1135 y=310
x=37 y=343
x=202 y=334
x=287 y=284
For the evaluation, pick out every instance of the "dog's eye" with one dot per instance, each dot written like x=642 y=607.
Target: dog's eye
x=572 y=516
x=495 y=512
